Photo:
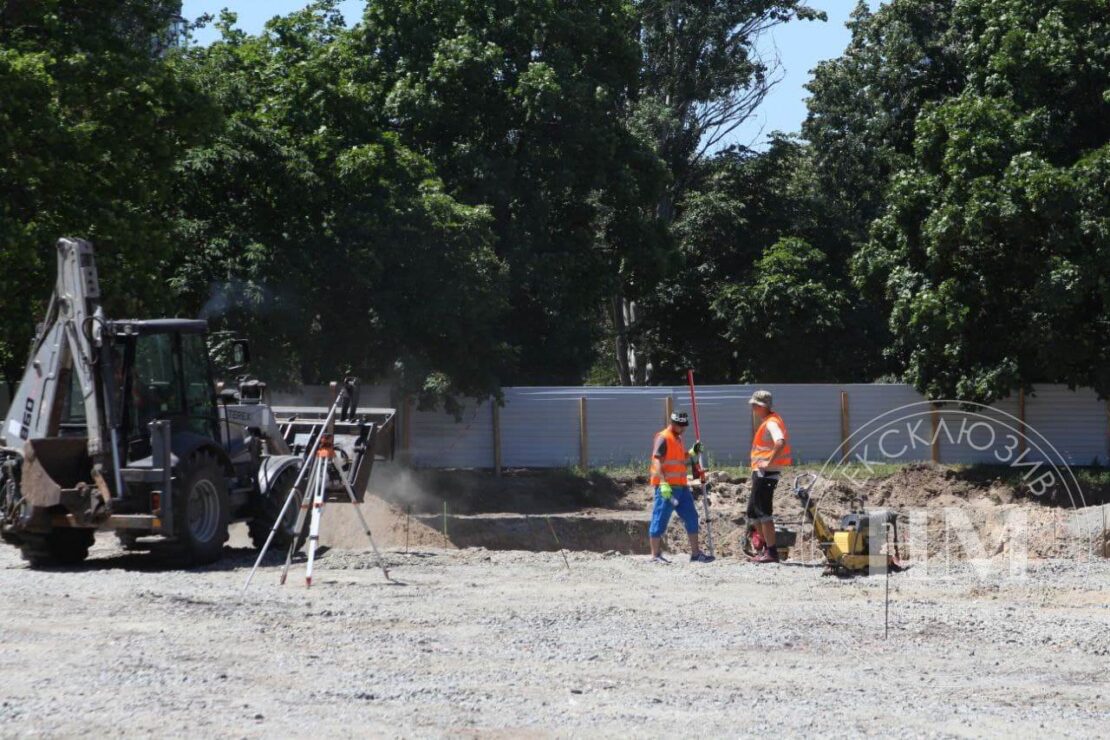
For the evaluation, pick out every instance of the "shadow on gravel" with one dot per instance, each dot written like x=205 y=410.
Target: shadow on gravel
x=789 y=564
x=153 y=560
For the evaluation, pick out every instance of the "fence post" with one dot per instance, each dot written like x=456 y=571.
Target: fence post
x=406 y=430
x=1021 y=422
x=845 y=427
x=935 y=416
x=668 y=409
x=496 y=412
x=583 y=437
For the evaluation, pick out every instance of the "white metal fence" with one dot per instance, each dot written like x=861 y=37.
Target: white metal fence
x=551 y=427
x=601 y=426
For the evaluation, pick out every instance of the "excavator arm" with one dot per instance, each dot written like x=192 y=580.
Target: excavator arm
x=71 y=363
x=67 y=346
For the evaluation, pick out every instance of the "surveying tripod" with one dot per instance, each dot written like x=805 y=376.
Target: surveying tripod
x=319 y=468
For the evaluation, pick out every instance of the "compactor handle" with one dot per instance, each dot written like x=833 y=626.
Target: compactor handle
x=803 y=482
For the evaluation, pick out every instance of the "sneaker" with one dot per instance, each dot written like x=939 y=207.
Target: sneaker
x=701 y=557
x=765 y=557
x=661 y=560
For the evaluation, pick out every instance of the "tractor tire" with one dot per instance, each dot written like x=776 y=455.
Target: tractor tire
x=269 y=506
x=201 y=510
x=61 y=546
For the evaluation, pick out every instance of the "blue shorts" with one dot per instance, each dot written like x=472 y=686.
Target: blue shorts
x=661 y=512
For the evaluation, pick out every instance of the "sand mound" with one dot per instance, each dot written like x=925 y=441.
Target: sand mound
x=391 y=526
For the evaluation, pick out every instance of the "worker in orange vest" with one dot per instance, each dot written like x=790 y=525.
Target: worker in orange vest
x=669 y=462
x=770 y=455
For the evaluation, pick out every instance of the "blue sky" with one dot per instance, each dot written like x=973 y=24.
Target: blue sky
x=800 y=46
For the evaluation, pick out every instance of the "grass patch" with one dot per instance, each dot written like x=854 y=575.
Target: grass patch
x=852 y=470
x=1088 y=477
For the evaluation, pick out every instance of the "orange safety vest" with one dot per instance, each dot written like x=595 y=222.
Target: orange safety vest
x=763 y=444
x=672 y=468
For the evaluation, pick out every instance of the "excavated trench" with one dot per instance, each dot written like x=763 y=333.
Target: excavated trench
x=624 y=532
x=546 y=511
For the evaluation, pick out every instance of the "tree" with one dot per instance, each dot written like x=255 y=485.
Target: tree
x=518 y=109
x=323 y=235
x=788 y=318
x=864 y=104
x=701 y=77
x=739 y=222
x=992 y=253
x=92 y=121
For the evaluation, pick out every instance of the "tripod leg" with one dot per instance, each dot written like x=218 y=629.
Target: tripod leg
x=362 y=520
x=314 y=525
x=306 y=504
x=273 y=530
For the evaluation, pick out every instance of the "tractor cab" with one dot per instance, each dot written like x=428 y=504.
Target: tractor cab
x=152 y=371
x=163 y=374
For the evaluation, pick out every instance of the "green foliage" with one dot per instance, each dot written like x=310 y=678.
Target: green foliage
x=788 y=316
x=320 y=233
x=757 y=279
x=701 y=76
x=92 y=120
x=864 y=104
x=453 y=195
x=516 y=111
x=993 y=247
x=701 y=73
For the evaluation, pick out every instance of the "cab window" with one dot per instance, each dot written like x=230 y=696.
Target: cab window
x=156 y=389
x=200 y=399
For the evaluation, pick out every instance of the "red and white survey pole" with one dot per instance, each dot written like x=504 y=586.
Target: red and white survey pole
x=701 y=465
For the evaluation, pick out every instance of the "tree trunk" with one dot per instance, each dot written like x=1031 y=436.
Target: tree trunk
x=620 y=339
x=632 y=365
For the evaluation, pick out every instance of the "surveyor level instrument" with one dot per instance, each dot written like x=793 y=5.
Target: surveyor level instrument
x=699 y=469
x=319 y=472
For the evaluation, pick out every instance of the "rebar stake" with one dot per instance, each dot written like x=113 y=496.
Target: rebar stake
x=557 y=542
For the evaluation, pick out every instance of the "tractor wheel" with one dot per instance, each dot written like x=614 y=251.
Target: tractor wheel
x=61 y=546
x=269 y=506
x=201 y=510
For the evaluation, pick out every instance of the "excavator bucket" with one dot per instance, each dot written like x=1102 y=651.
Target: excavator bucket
x=58 y=471
x=52 y=466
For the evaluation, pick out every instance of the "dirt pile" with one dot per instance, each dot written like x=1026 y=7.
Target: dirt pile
x=392 y=527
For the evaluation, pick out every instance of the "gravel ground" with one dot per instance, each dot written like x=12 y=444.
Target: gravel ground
x=511 y=643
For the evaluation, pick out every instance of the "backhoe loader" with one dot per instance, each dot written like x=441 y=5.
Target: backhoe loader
x=119 y=425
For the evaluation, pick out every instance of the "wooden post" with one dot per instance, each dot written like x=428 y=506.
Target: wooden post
x=845 y=426
x=1021 y=421
x=751 y=417
x=496 y=413
x=1107 y=448
x=668 y=409
x=406 y=431
x=936 y=431
x=583 y=437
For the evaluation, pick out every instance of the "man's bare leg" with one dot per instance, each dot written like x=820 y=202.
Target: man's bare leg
x=656 y=546
x=695 y=548
x=767 y=528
